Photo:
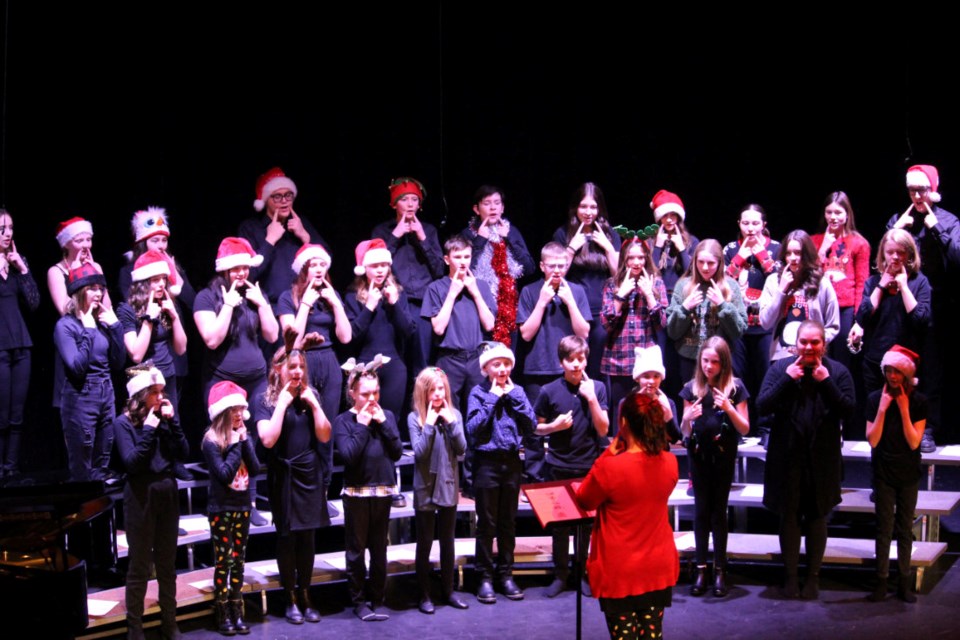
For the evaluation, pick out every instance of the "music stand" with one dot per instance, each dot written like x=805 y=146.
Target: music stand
x=555 y=504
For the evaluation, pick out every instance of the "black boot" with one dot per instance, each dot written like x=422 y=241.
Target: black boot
x=292 y=613
x=720 y=588
x=905 y=589
x=699 y=586
x=236 y=615
x=310 y=613
x=879 y=590
x=225 y=624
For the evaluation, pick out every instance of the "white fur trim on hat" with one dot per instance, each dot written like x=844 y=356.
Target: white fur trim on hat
x=226 y=402
x=236 y=252
x=649 y=359
x=72 y=230
x=307 y=253
x=903 y=360
x=273 y=184
x=493 y=351
x=143 y=380
x=148 y=223
x=153 y=268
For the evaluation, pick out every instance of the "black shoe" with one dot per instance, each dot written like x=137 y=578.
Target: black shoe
x=236 y=616
x=811 y=588
x=399 y=501
x=699 y=586
x=485 y=593
x=720 y=588
x=256 y=519
x=510 y=589
x=182 y=473
x=905 y=589
x=555 y=588
x=367 y=613
x=456 y=601
x=310 y=613
x=879 y=590
x=225 y=626
x=292 y=613
x=426 y=606
x=927 y=443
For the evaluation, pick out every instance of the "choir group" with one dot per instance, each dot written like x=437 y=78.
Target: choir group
x=485 y=354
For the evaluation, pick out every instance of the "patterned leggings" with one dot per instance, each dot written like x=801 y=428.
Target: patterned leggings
x=228 y=533
x=646 y=623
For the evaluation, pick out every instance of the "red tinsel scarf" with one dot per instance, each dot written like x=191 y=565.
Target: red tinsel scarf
x=506 y=319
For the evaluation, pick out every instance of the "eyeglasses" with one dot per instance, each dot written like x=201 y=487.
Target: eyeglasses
x=283 y=197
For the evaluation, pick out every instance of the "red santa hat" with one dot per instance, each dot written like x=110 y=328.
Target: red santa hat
x=223 y=396
x=268 y=183
x=70 y=229
x=400 y=187
x=151 y=263
x=308 y=252
x=144 y=379
x=149 y=222
x=371 y=252
x=925 y=175
x=665 y=202
x=236 y=252
x=903 y=360
x=646 y=360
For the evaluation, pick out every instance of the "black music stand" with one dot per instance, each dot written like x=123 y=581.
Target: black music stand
x=555 y=504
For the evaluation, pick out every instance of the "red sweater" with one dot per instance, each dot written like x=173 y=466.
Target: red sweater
x=632 y=551
x=848 y=267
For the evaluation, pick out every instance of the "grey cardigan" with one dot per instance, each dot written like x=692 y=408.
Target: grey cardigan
x=436 y=481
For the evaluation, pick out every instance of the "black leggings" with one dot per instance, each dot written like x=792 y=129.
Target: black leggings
x=712 y=478
x=644 y=623
x=295 y=553
x=229 y=531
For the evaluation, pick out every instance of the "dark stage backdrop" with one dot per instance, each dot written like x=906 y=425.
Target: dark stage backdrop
x=113 y=108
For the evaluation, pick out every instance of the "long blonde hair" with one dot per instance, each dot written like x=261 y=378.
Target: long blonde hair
x=423 y=387
x=220 y=429
x=694 y=279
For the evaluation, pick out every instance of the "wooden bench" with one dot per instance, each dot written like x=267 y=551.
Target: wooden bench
x=196 y=587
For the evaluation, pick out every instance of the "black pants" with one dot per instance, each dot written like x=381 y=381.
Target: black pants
x=712 y=477
x=497 y=487
x=904 y=499
x=798 y=514
x=365 y=528
x=561 y=535
x=426 y=520
x=151 y=515
x=295 y=551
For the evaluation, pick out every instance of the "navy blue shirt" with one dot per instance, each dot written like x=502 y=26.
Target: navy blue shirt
x=463 y=330
x=275 y=275
x=415 y=264
x=160 y=349
x=385 y=330
x=540 y=354
x=578 y=446
x=320 y=319
x=239 y=355
x=498 y=423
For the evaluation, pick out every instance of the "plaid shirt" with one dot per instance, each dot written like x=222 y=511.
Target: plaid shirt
x=635 y=326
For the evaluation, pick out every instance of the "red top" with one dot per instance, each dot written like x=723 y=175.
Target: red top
x=632 y=551
x=848 y=266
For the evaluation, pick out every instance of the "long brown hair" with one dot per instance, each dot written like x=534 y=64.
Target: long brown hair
x=648 y=266
x=590 y=256
x=139 y=296
x=303 y=281
x=281 y=359
x=810 y=271
x=840 y=199
x=725 y=379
